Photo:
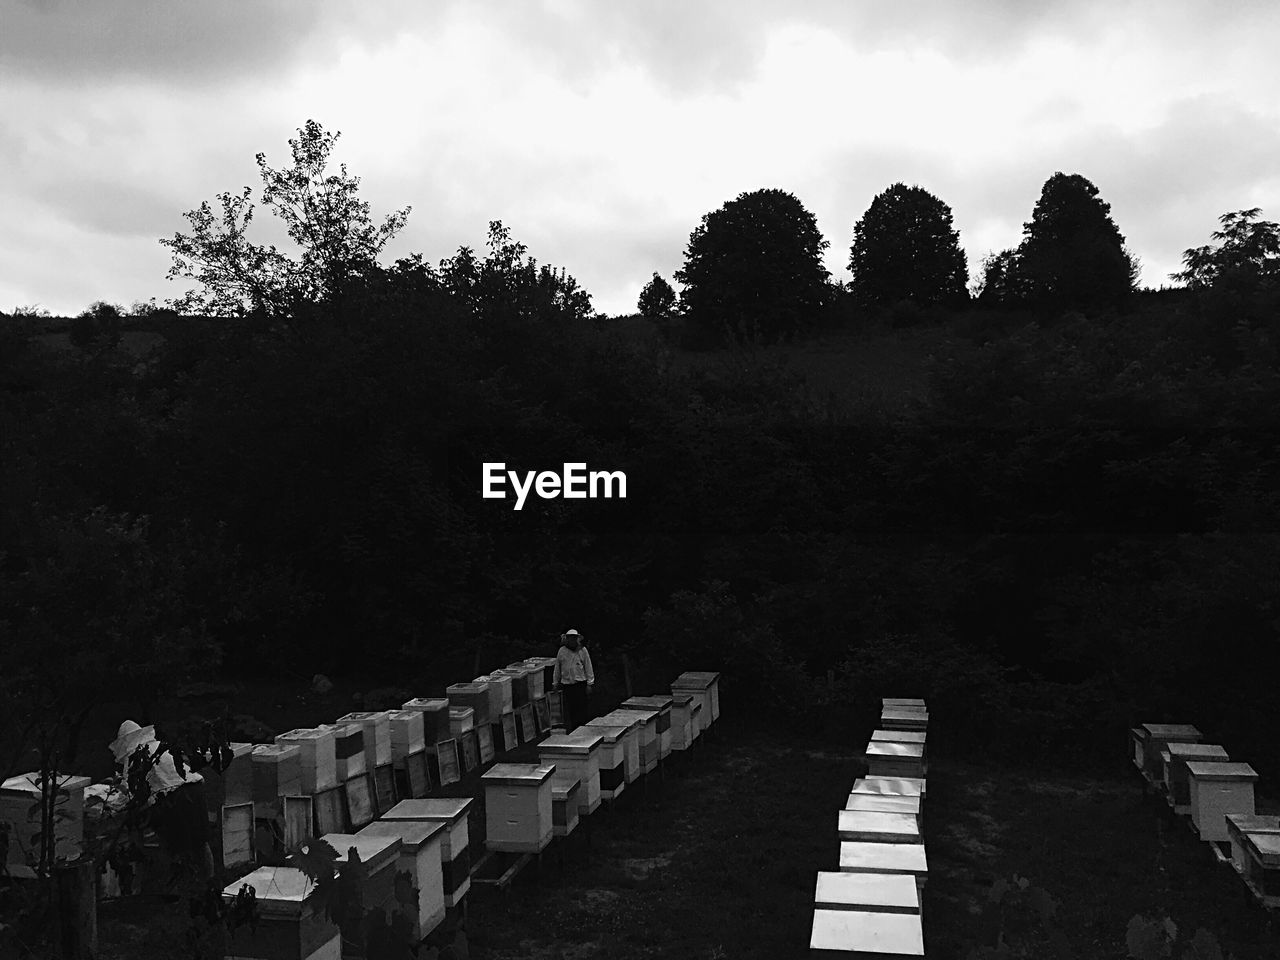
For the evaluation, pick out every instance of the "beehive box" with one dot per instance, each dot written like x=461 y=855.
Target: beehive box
x=421 y=857
x=577 y=755
x=546 y=667
x=890 y=786
x=902 y=703
x=534 y=678
x=866 y=935
x=375 y=874
x=519 y=685
x=1239 y=824
x=435 y=717
x=682 y=730
x=663 y=705
x=879 y=892
x=613 y=756
x=1157 y=736
x=1216 y=790
x=630 y=738
x=1176 y=780
x=895 y=759
x=887 y=804
x=348 y=750
x=455 y=851
x=1262 y=869
x=377 y=735
x=473 y=696
x=499 y=694
x=868 y=856
x=517 y=800
x=565 y=792
x=407 y=734
x=877 y=826
x=318 y=758
x=647 y=736
x=277 y=772
x=904 y=720
x=461 y=720
x=291 y=919
x=706 y=687
x=234 y=785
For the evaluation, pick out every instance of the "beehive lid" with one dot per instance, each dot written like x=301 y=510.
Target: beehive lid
x=882 y=803
x=375 y=852
x=619 y=718
x=898 y=736
x=681 y=699
x=694 y=681
x=890 y=786
x=412 y=833
x=518 y=774
x=915 y=716
x=896 y=891
x=1252 y=823
x=1265 y=848
x=495 y=678
x=646 y=714
x=580 y=743
x=562 y=787
x=1171 y=731
x=905 y=751
x=875 y=824
x=25 y=783
x=307 y=733
x=855 y=933
x=521 y=668
x=461 y=713
x=278 y=891
x=611 y=732
x=1224 y=771
x=448 y=809
x=871 y=856
x=652 y=703
x=275 y=752
x=425 y=705
x=363 y=716
x=411 y=716
x=902 y=702
x=1196 y=751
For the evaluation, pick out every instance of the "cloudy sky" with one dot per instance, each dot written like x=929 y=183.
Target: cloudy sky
x=601 y=132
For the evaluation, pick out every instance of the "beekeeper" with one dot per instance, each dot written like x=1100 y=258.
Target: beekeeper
x=574 y=677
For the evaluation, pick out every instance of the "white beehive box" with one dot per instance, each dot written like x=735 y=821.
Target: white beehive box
x=707 y=686
x=455 y=850
x=612 y=754
x=517 y=801
x=420 y=856
x=1176 y=780
x=878 y=826
x=377 y=736
x=18 y=795
x=277 y=772
x=895 y=759
x=499 y=694
x=577 y=755
x=632 y=725
x=904 y=720
x=902 y=703
x=348 y=750
x=868 y=856
x=534 y=680
x=461 y=720
x=1157 y=736
x=1238 y=824
x=890 y=786
x=1216 y=790
x=864 y=935
x=566 y=791
x=1262 y=866
x=474 y=695
x=879 y=892
x=548 y=667
x=318 y=757
x=376 y=873
x=663 y=705
x=878 y=803
x=234 y=785
x=407 y=734
x=291 y=919
x=519 y=677
x=435 y=718
x=682 y=730
x=647 y=734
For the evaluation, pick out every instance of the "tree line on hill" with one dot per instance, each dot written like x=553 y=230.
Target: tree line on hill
x=1077 y=525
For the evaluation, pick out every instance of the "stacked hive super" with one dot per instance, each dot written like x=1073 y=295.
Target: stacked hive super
x=871 y=907
x=1201 y=782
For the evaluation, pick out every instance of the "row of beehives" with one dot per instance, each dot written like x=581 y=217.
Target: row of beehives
x=871 y=907
x=425 y=840
x=1200 y=781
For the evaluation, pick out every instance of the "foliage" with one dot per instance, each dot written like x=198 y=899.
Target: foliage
x=97 y=329
x=657 y=299
x=905 y=248
x=1156 y=939
x=1020 y=916
x=1246 y=248
x=753 y=268
x=323 y=216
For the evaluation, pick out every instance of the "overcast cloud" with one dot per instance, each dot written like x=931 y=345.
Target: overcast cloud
x=600 y=133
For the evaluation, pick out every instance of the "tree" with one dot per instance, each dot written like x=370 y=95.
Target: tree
x=904 y=248
x=97 y=329
x=999 y=284
x=755 y=267
x=1072 y=254
x=324 y=217
x=1248 y=250
x=657 y=299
